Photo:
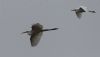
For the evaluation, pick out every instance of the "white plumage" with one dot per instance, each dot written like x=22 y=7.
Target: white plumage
x=80 y=10
x=36 y=33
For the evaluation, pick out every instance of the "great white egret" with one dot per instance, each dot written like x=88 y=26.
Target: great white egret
x=36 y=33
x=80 y=10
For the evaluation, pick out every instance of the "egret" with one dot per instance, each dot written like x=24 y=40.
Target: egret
x=82 y=9
x=36 y=33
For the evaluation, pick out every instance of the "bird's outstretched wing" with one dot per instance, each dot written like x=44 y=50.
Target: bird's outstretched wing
x=34 y=39
x=83 y=8
x=49 y=29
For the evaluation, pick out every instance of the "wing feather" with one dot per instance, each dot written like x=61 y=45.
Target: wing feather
x=84 y=8
x=79 y=14
x=35 y=39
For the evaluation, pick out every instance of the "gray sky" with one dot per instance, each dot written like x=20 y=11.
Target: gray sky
x=75 y=38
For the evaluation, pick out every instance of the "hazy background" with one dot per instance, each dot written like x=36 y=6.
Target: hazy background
x=75 y=38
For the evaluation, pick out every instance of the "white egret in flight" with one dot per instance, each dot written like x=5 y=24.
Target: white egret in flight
x=36 y=33
x=82 y=9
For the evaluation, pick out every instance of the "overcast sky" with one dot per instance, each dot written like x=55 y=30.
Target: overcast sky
x=75 y=38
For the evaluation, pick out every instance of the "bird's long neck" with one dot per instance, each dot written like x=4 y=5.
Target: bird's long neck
x=74 y=9
x=91 y=11
x=49 y=29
